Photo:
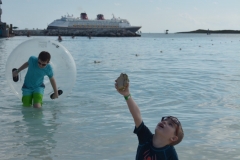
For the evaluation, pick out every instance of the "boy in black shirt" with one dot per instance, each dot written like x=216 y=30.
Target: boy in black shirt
x=158 y=146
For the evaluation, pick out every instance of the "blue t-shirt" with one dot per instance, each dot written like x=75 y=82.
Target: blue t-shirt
x=35 y=74
x=146 y=150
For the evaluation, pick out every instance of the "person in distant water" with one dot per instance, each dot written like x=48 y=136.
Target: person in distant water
x=59 y=38
x=158 y=146
x=33 y=87
x=28 y=34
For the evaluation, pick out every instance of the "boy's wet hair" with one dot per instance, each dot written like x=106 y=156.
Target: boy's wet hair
x=180 y=136
x=44 y=56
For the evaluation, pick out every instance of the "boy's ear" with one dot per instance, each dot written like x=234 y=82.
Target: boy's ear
x=174 y=138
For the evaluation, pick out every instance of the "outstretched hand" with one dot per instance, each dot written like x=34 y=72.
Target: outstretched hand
x=126 y=92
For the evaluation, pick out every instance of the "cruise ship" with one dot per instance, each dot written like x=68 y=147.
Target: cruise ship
x=83 y=23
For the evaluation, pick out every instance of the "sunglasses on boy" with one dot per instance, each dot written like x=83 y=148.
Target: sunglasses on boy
x=174 y=120
x=41 y=64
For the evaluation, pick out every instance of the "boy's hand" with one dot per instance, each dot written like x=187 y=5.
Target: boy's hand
x=122 y=81
x=55 y=95
x=15 y=73
x=126 y=92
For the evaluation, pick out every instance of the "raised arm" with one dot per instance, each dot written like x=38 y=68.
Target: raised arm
x=54 y=86
x=24 y=66
x=132 y=106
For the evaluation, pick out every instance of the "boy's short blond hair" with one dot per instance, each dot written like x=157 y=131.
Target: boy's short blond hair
x=180 y=135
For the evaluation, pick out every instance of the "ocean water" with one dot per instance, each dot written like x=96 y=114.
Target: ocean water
x=195 y=77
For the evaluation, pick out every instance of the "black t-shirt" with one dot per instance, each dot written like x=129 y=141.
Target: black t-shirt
x=146 y=150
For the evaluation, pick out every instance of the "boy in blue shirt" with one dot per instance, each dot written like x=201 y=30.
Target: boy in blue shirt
x=158 y=146
x=33 y=87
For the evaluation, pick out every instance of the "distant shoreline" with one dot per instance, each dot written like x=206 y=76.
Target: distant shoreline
x=213 y=31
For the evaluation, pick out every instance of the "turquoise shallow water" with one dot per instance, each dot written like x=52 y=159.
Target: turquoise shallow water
x=199 y=84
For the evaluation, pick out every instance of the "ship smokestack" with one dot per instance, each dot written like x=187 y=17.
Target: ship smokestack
x=84 y=16
x=100 y=17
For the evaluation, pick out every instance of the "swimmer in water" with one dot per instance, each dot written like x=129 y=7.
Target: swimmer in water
x=59 y=38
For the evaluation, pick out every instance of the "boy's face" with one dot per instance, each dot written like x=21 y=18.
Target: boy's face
x=41 y=63
x=167 y=128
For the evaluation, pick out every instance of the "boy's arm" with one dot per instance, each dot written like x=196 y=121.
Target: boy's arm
x=24 y=66
x=135 y=111
x=132 y=106
x=54 y=86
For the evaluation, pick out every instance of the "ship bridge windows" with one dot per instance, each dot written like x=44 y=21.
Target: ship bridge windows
x=124 y=21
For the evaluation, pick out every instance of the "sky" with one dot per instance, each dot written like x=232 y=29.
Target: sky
x=155 y=16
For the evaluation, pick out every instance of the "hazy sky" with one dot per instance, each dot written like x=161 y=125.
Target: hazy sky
x=154 y=16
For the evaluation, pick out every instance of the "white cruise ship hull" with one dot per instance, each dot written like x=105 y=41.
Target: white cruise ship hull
x=132 y=28
x=71 y=23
